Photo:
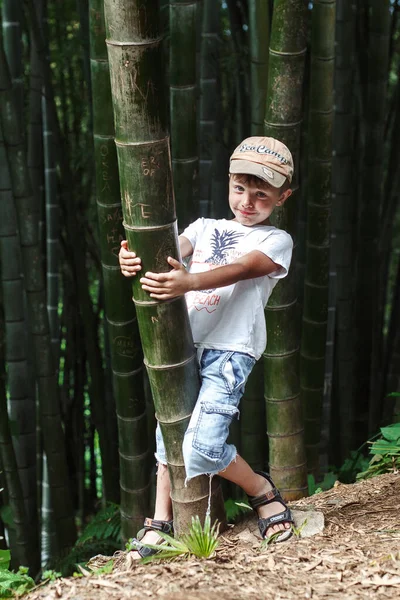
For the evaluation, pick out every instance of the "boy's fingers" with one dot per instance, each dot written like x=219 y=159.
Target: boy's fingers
x=161 y=277
x=126 y=254
x=124 y=244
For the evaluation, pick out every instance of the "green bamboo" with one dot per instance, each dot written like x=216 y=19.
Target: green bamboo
x=22 y=551
x=240 y=72
x=343 y=244
x=126 y=353
x=281 y=376
x=316 y=285
x=208 y=98
x=368 y=350
x=52 y=230
x=135 y=56
x=34 y=284
x=75 y=231
x=21 y=388
x=12 y=34
x=252 y=420
x=183 y=93
x=259 y=31
x=35 y=132
x=391 y=412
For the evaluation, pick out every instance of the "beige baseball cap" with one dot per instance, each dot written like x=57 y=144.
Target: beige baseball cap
x=264 y=157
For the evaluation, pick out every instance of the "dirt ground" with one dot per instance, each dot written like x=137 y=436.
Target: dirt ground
x=356 y=556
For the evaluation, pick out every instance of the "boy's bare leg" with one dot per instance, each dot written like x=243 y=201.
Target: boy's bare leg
x=163 y=508
x=242 y=474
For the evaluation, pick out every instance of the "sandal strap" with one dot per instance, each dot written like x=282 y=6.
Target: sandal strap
x=142 y=550
x=155 y=525
x=283 y=517
x=271 y=496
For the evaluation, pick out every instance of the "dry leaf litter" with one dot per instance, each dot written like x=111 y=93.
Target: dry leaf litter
x=355 y=555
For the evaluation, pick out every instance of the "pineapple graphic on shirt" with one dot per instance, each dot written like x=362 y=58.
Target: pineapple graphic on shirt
x=221 y=243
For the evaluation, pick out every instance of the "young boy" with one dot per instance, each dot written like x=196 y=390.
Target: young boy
x=235 y=264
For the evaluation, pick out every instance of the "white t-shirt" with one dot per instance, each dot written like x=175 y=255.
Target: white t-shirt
x=232 y=317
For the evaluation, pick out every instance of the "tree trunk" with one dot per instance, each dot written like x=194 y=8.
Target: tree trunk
x=34 y=283
x=126 y=352
x=316 y=286
x=282 y=393
x=135 y=56
x=183 y=97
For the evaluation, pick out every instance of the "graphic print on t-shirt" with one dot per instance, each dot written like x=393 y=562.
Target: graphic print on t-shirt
x=222 y=253
x=221 y=243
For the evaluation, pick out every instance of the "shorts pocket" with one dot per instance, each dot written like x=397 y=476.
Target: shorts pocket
x=212 y=428
x=234 y=371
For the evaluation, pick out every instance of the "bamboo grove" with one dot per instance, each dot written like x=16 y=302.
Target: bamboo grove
x=117 y=120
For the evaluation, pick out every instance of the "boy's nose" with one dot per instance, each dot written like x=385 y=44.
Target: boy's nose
x=247 y=200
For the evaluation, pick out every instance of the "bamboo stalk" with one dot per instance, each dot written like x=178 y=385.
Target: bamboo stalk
x=316 y=285
x=208 y=97
x=183 y=92
x=31 y=261
x=135 y=59
x=368 y=341
x=281 y=384
x=345 y=215
x=126 y=353
x=259 y=31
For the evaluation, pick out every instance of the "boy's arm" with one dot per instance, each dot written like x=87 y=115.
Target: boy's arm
x=164 y=286
x=130 y=263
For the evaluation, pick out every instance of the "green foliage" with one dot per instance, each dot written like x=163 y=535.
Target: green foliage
x=13 y=584
x=199 y=541
x=101 y=536
x=50 y=575
x=105 y=525
x=385 y=453
x=234 y=510
x=327 y=482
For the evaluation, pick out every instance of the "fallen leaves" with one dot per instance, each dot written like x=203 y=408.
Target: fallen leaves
x=356 y=557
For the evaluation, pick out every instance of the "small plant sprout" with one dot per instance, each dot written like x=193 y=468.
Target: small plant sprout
x=200 y=541
x=297 y=530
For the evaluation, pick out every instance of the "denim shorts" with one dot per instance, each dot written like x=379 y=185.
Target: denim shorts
x=223 y=378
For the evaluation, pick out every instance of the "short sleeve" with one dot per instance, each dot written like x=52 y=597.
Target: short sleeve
x=278 y=246
x=193 y=230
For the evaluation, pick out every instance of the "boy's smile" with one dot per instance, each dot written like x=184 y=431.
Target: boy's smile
x=252 y=204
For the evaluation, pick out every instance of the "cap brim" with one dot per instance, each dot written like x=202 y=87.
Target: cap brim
x=250 y=168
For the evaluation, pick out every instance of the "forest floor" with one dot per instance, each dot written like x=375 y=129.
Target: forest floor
x=356 y=556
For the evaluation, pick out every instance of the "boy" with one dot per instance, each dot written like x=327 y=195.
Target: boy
x=234 y=267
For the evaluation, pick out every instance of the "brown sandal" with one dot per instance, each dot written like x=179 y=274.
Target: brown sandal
x=151 y=525
x=283 y=517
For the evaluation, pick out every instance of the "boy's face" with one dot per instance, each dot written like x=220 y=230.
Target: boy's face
x=251 y=202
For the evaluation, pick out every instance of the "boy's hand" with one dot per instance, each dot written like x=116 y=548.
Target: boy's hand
x=128 y=261
x=164 y=286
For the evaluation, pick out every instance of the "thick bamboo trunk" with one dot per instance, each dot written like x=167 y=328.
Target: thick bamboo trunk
x=316 y=285
x=126 y=353
x=21 y=389
x=252 y=420
x=368 y=349
x=183 y=97
x=135 y=58
x=282 y=392
x=343 y=227
x=259 y=31
x=208 y=98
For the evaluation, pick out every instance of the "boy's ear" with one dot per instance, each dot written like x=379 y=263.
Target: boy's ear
x=283 y=197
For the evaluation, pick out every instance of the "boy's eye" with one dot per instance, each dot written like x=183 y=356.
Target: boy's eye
x=239 y=188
